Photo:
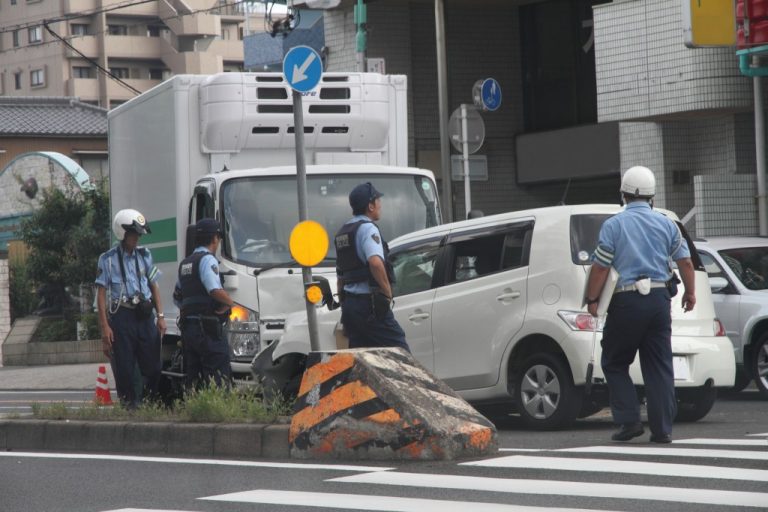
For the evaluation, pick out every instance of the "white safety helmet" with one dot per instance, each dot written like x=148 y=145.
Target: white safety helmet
x=638 y=181
x=129 y=220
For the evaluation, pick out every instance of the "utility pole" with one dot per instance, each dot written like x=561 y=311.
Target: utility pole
x=361 y=38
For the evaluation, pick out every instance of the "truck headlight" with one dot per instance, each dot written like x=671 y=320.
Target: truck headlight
x=243 y=332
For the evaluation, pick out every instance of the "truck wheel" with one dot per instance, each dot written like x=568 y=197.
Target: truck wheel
x=545 y=395
x=694 y=404
x=759 y=365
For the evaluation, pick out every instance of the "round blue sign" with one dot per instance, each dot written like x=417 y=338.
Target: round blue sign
x=302 y=68
x=490 y=94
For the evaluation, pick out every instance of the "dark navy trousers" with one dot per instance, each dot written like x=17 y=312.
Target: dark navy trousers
x=365 y=330
x=206 y=354
x=640 y=323
x=135 y=341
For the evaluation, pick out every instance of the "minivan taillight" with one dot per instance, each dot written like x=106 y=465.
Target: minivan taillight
x=719 y=328
x=581 y=321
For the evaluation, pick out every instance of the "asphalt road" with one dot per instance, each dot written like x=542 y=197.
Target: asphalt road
x=717 y=464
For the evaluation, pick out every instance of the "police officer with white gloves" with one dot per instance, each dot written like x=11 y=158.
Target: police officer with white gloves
x=204 y=307
x=365 y=276
x=640 y=244
x=127 y=298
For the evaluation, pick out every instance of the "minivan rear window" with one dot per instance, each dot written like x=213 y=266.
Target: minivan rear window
x=585 y=230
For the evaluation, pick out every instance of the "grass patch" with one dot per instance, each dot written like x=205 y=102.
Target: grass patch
x=212 y=404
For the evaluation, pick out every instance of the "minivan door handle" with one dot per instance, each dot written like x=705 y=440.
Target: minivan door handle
x=507 y=295
x=415 y=317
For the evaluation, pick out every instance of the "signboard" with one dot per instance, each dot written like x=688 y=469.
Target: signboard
x=709 y=23
x=302 y=68
x=486 y=94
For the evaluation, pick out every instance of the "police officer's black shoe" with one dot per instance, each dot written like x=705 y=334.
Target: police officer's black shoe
x=661 y=439
x=628 y=431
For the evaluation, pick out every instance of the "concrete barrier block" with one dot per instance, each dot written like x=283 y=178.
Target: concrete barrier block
x=382 y=404
x=237 y=441
x=106 y=436
x=65 y=435
x=25 y=434
x=191 y=439
x=274 y=442
x=150 y=438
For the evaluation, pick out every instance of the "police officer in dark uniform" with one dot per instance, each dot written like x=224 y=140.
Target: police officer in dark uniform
x=204 y=308
x=365 y=276
x=640 y=244
x=127 y=293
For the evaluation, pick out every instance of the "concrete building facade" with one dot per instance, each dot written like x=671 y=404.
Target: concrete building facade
x=141 y=43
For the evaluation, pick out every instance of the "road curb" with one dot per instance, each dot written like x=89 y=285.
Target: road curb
x=232 y=441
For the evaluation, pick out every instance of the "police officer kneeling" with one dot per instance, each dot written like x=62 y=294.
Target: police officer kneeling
x=640 y=243
x=204 y=308
x=365 y=276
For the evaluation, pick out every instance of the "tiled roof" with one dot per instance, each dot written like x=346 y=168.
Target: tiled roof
x=41 y=115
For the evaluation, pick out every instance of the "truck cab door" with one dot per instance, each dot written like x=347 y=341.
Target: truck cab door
x=202 y=205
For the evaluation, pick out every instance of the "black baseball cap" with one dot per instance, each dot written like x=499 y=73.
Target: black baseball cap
x=207 y=227
x=363 y=195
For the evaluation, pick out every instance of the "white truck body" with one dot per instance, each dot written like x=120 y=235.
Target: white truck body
x=223 y=146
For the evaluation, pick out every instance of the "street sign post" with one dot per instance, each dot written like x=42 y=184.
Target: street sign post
x=467 y=131
x=302 y=69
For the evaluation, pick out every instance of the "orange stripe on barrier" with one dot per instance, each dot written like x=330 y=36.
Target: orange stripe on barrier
x=480 y=439
x=388 y=416
x=321 y=372
x=341 y=398
x=341 y=439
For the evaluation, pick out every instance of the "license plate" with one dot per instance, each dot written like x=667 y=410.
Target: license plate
x=682 y=370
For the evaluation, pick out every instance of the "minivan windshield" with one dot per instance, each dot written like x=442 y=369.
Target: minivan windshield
x=260 y=212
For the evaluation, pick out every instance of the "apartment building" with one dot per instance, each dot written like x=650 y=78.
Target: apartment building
x=65 y=47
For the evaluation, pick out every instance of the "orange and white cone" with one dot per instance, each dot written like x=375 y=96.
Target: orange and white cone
x=103 y=397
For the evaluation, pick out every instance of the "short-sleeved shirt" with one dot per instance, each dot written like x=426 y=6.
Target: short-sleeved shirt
x=110 y=277
x=368 y=243
x=640 y=242
x=209 y=272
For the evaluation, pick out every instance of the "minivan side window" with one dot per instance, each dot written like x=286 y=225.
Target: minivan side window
x=414 y=268
x=487 y=253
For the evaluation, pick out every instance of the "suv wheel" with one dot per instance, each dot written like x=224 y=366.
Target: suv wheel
x=546 y=397
x=759 y=365
x=694 y=404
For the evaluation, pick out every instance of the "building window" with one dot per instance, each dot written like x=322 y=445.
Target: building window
x=37 y=78
x=121 y=73
x=82 y=72
x=159 y=74
x=225 y=34
x=153 y=30
x=13 y=2
x=118 y=30
x=16 y=42
x=79 y=29
x=35 y=34
x=17 y=80
x=240 y=33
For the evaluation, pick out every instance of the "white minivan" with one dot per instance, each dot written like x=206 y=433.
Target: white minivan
x=493 y=306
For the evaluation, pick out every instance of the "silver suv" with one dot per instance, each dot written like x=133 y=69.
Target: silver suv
x=738 y=275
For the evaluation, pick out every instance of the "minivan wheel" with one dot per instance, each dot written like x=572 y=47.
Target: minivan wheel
x=694 y=404
x=545 y=395
x=759 y=365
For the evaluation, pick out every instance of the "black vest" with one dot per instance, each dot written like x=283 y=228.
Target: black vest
x=194 y=297
x=349 y=266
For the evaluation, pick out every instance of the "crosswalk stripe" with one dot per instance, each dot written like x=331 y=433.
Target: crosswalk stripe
x=523 y=449
x=670 y=452
x=146 y=510
x=764 y=434
x=562 y=488
x=724 y=442
x=339 y=501
x=622 y=466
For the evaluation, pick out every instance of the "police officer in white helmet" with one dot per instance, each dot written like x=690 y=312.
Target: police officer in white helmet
x=640 y=244
x=130 y=308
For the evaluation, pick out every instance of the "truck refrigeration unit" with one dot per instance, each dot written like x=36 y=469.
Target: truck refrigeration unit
x=222 y=146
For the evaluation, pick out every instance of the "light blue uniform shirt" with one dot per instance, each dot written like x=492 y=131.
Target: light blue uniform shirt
x=367 y=243
x=110 y=277
x=209 y=273
x=640 y=242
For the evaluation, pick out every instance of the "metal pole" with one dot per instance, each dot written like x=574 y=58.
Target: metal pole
x=361 y=37
x=442 y=103
x=301 y=179
x=760 y=155
x=465 y=161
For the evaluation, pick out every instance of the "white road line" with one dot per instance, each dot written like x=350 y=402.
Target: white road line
x=42 y=392
x=622 y=466
x=562 y=488
x=724 y=442
x=765 y=434
x=523 y=449
x=206 y=462
x=671 y=452
x=146 y=510
x=369 y=502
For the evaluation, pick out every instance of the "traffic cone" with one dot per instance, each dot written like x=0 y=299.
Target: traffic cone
x=103 y=396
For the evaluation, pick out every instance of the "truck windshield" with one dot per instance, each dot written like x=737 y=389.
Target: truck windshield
x=260 y=212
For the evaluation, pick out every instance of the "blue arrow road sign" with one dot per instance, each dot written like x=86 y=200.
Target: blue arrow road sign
x=491 y=94
x=302 y=68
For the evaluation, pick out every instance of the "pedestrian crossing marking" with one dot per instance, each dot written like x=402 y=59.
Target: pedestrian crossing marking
x=338 y=501
x=622 y=466
x=670 y=452
x=562 y=488
x=764 y=434
x=724 y=442
x=523 y=450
